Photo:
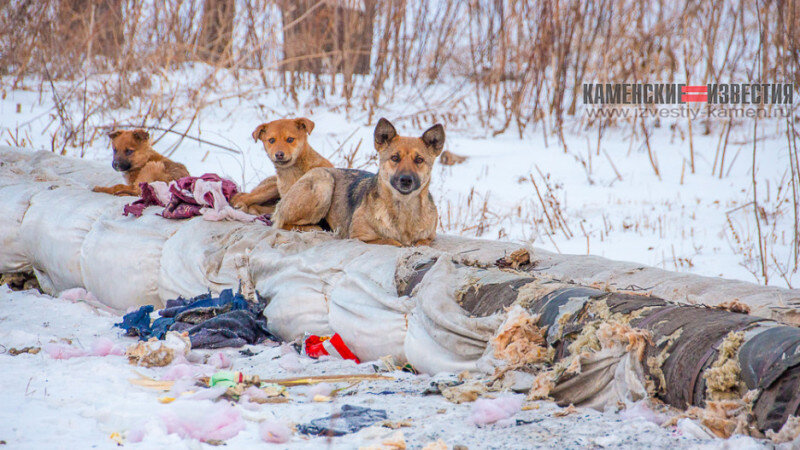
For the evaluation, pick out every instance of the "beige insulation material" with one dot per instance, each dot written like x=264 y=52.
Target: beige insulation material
x=464 y=393
x=654 y=363
x=535 y=290
x=519 y=341
x=634 y=339
x=788 y=432
x=156 y=353
x=724 y=418
x=734 y=306
x=723 y=378
x=542 y=385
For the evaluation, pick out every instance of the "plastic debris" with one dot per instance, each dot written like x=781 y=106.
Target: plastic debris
x=348 y=420
x=117 y=438
x=316 y=346
x=498 y=410
x=229 y=379
x=150 y=383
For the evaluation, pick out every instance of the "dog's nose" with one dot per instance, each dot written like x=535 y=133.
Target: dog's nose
x=121 y=166
x=405 y=181
x=279 y=155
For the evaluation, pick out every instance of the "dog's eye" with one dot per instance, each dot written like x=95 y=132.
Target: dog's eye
x=128 y=152
x=419 y=160
x=290 y=140
x=395 y=158
x=271 y=140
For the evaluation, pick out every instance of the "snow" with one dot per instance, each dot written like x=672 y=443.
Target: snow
x=82 y=402
x=611 y=200
x=76 y=393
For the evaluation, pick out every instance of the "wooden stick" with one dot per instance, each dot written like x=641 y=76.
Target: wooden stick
x=151 y=383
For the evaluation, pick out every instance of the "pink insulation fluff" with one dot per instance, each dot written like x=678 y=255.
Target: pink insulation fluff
x=220 y=361
x=290 y=362
x=104 y=346
x=135 y=435
x=210 y=393
x=323 y=389
x=254 y=393
x=274 y=431
x=496 y=410
x=63 y=351
x=80 y=295
x=179 y=371
x=219 y=421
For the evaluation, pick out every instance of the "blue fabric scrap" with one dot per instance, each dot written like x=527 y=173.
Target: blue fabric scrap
x=227 y=320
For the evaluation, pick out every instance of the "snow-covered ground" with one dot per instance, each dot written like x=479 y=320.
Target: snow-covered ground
x=89 y=401
x=604 y=200
x=609 y=199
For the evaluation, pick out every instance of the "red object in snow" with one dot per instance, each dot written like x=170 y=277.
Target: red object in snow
x=317 y=346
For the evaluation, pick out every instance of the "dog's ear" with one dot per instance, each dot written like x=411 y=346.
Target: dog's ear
x=304 y=124
x=384 y=133
x=141 y=135
x=434 y=138
x=257 y=133
x=114 y=134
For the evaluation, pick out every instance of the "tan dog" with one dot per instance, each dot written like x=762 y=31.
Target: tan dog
x=134 y=156
x=286 y=144
x=393 y=207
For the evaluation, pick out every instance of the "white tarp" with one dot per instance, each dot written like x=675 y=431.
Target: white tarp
x=50 y=221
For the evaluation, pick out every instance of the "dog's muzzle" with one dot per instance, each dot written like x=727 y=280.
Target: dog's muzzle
x=405 y=183
x=281 y=158
x=121 y=166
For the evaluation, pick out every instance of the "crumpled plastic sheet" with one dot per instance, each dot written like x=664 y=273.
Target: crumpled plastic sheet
x=348 y=420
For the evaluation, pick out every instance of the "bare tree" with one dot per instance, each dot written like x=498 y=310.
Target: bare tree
x=215 y=41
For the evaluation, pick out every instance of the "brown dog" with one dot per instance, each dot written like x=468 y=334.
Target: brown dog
x=134 y=156
x=393 y=207
x=286 y=144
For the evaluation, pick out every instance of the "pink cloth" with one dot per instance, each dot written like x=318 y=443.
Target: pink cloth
x=208 y=196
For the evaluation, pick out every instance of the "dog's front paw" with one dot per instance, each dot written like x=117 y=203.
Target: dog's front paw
x=239 y=201
x=100 y=189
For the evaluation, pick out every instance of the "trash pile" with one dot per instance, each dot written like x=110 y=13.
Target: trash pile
x=210 y=322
